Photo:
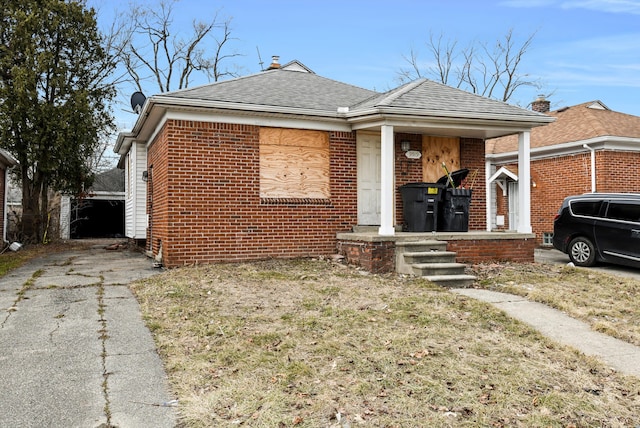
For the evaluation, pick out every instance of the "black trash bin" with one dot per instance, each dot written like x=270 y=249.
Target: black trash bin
x=454 y=212
x=454 y=206
x=420 y=206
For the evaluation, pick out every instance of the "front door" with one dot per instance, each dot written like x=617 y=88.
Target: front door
x=513 y=204
x=369 y=184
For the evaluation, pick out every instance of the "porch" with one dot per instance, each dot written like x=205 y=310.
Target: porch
x=439 y=256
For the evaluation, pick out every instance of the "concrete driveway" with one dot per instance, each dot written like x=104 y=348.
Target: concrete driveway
x=551 y=255
x=74 y=349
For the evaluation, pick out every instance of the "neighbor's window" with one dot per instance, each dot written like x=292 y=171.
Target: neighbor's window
x=294 y=164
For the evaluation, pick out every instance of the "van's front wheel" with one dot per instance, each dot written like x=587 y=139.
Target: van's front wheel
x=582 y=252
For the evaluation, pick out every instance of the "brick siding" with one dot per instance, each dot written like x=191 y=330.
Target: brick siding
x=204 y=198
x=493 y=250
x=375 y=257
x=557 y=178
x=472 y=152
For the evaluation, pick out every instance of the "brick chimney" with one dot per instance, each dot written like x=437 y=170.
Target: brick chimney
x=274 y=63
x=541 y=104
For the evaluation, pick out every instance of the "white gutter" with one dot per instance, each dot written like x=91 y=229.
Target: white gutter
x=602 y=143
x=593 y=167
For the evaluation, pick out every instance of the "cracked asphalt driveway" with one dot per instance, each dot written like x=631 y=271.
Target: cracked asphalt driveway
x=74 y=351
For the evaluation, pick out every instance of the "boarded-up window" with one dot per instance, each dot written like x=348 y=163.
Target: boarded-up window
x=436 y=150
x=294 y=164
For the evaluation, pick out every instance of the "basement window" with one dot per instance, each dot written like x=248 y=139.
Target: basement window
x=294 y=166
x=547 y=239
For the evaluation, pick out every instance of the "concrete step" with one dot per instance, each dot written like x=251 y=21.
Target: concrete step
x=422 y=246
x=438 y=269
x=451 y=281
x=430 y=257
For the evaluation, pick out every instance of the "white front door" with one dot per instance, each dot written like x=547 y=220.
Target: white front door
x=513 y=205
x=369 y=183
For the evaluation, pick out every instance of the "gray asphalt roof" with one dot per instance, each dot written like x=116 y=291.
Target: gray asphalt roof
x=109 y=181
x=280 y=88
x=306 y=90
x=436 y=97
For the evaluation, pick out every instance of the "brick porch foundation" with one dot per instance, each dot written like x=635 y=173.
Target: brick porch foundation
x=377 y=254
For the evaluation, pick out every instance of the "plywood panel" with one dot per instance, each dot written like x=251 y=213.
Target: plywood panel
x=294 y=137
x=436 y=150
x=294 y=164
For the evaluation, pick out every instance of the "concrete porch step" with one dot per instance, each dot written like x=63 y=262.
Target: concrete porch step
x=438 y=269
x=452 y=281
x=422 y=246
x=430 y=257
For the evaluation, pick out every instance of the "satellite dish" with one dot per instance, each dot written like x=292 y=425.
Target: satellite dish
x=137 y=101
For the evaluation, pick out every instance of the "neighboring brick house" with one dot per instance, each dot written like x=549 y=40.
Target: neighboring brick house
x=589 y=148
x=278 y=163
x=6 y=162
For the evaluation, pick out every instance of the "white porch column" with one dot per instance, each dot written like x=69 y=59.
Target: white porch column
x=489 y=194
x=387 y=176
x=524 y=182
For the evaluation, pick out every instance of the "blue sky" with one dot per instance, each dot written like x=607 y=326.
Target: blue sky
x=583 y=50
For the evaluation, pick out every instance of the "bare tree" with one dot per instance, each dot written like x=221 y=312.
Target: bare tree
x=491 y=71
x=152 y=49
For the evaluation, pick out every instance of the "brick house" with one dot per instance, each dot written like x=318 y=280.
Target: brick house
x=286 y=163
x=589 y=148
x=6 y=162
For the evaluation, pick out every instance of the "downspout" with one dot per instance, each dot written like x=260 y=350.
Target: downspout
x=593 y=167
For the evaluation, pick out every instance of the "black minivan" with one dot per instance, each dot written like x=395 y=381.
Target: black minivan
x=599 y=227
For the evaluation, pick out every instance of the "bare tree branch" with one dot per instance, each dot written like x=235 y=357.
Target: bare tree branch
x=152 y=50
x=494 y=72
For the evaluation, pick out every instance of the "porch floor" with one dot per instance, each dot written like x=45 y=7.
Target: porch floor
x=371 y=235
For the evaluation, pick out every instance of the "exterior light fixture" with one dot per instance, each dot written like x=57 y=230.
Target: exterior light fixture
x=405 y=145
x=145 y=176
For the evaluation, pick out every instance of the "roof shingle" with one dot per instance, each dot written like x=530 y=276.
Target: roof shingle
x=576 y=123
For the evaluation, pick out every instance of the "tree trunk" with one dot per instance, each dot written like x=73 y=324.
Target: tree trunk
x=31 y=211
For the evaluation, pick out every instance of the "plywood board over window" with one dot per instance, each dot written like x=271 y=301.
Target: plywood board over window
x=436 y=150
x=294 y=164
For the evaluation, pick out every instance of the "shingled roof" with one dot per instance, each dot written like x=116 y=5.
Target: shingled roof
x=435 y=98
x=279 y=88
x=295 y=91
x=291 y=89
x=574 y=124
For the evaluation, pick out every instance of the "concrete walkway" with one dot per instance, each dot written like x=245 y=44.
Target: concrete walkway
x=74 y=349
x=620 y=355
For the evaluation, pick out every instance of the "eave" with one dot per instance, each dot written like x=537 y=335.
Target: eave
x=159 y=108
x=572 y=148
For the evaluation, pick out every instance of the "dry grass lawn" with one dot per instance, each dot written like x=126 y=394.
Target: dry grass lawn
x=312 y=343
x=607 y=302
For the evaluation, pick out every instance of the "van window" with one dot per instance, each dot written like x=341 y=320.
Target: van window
x=586 y=208
x=622 y=211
